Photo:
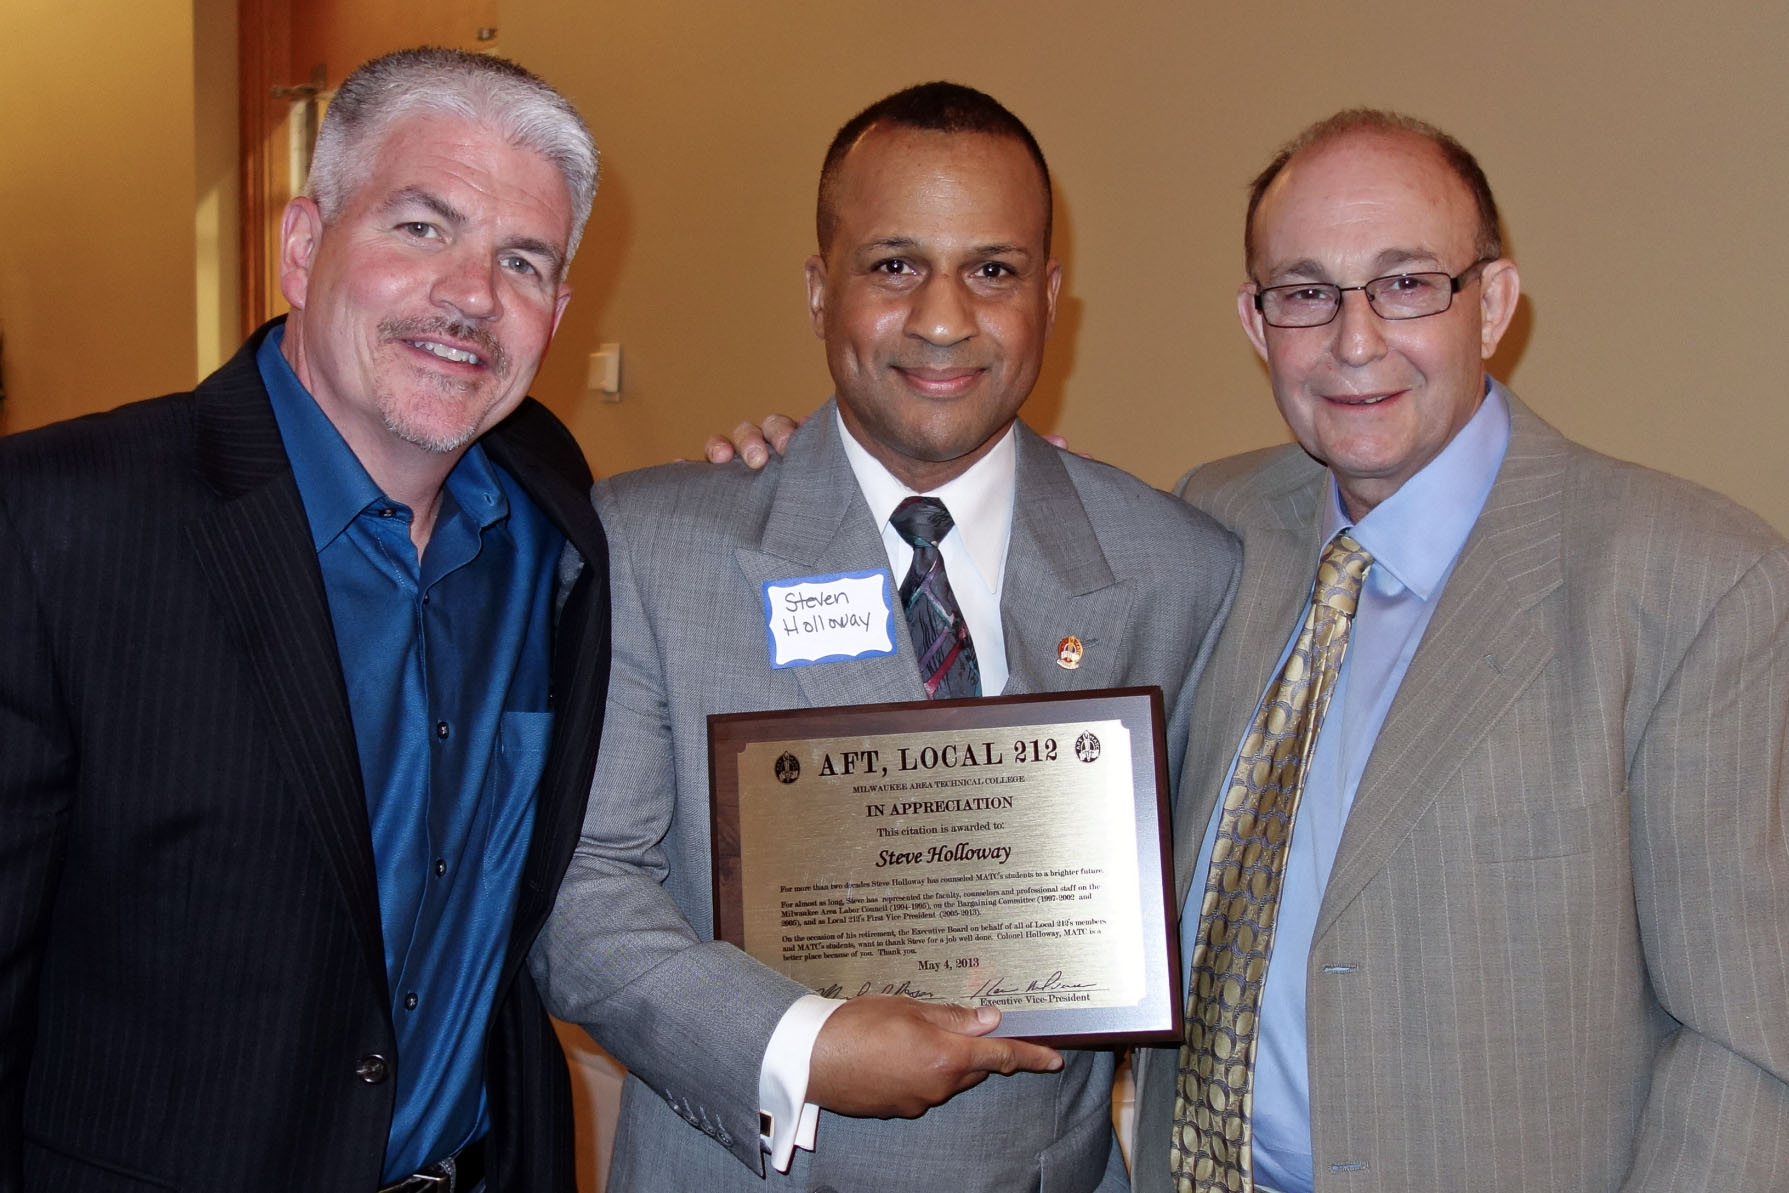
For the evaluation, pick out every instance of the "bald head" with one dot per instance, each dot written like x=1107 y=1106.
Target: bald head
x=1373 y=393
x=1488 y=238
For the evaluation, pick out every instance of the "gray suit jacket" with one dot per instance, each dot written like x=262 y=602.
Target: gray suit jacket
x=1139 y=577
x=1554 y=950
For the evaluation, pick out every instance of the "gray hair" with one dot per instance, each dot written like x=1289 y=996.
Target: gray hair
x=516 y=104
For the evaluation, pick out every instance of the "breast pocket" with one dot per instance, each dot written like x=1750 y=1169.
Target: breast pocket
x=523 y=737
x=1530 y=834
x=511 y=786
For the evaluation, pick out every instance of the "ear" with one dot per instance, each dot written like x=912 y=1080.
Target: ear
x=815 y=274
x=1052 y=286
x=301 y=231
x=1253 y=325
x=1499 y=288
x=559 y=308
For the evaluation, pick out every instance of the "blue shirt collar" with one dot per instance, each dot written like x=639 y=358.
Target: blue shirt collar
x=332 y=483
x=1417 y=532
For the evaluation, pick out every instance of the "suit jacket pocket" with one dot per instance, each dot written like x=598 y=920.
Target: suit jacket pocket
x=1531 y=833
x=50 y=1168
x=1077 y=1162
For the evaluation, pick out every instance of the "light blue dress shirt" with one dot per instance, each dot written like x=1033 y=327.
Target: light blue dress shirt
x=446 y=662
x=1414 y=536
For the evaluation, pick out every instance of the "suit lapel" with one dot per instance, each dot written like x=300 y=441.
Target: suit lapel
x=1057 y=583
x=255 y=547
x=1485 y=644
x=540 y=454
x=1276 y=582
x=545 y=461
x=819 y=524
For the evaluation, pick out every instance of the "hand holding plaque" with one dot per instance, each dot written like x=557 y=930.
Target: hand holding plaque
x=1006 y=852
x=891 y=1057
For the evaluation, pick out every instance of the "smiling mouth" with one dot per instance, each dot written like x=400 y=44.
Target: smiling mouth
x=454 y=342
x=940 y=381
x=1362 y=400
x=446 y=352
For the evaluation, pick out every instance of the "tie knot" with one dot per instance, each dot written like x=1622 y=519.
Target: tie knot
x=1339 y=575
x=922 y=521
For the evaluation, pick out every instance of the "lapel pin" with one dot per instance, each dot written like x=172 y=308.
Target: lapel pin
x=1068 y=653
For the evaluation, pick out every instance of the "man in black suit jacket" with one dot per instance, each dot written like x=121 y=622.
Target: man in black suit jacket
x=199 y=981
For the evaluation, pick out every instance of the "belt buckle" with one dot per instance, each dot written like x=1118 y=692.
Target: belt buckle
x=418 y=1182
x=451 y=1174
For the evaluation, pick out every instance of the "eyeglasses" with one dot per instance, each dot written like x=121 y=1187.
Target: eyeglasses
x=1395 y=296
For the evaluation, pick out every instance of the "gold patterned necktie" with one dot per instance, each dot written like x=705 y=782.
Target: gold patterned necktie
x=1213 y=1105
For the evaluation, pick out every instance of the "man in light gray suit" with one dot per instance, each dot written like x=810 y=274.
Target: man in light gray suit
x=1534 y=933
x=934 y=290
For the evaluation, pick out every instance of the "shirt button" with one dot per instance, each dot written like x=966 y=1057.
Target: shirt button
x=410 y=1001
x=440 y=866
x=372 y=1068
x=388 y=512
x=441 y=730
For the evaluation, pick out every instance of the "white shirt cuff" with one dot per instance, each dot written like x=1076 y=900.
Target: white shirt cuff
x=783 y=1079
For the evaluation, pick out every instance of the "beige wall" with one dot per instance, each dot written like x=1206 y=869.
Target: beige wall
x=1642 y=163
x=97 y=222
x=1643 y=168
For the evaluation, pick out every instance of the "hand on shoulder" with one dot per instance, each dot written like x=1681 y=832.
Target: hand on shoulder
x=752 y=442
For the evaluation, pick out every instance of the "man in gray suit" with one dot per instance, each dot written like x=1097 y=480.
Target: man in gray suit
x=934 y=290
x=1534 y=928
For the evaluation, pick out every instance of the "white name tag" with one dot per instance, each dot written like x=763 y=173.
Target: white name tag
x=827 y=619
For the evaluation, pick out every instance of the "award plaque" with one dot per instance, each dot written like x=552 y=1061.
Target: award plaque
x=1006 y=851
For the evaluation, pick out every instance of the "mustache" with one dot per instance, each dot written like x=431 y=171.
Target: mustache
x=455 y=330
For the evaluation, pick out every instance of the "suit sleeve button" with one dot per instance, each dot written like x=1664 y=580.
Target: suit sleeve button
x=372 y=1068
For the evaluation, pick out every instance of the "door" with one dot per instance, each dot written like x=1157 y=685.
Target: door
x=293 y=55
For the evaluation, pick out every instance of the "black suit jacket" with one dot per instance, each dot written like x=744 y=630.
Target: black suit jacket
x=192 y=981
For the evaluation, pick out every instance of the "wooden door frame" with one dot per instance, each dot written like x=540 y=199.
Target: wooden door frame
x=271 y=77
x=264 y=62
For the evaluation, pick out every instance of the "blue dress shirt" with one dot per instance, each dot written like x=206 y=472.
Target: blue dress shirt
x=446 y=661
x=1414 y=536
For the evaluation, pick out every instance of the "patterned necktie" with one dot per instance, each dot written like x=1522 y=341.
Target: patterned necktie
x=940 y=635
x=1213 y=1105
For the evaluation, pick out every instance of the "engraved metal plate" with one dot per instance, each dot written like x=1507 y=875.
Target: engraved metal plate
x=1009 y=851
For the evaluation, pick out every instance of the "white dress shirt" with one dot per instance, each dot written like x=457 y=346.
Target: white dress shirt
x=974 y=552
